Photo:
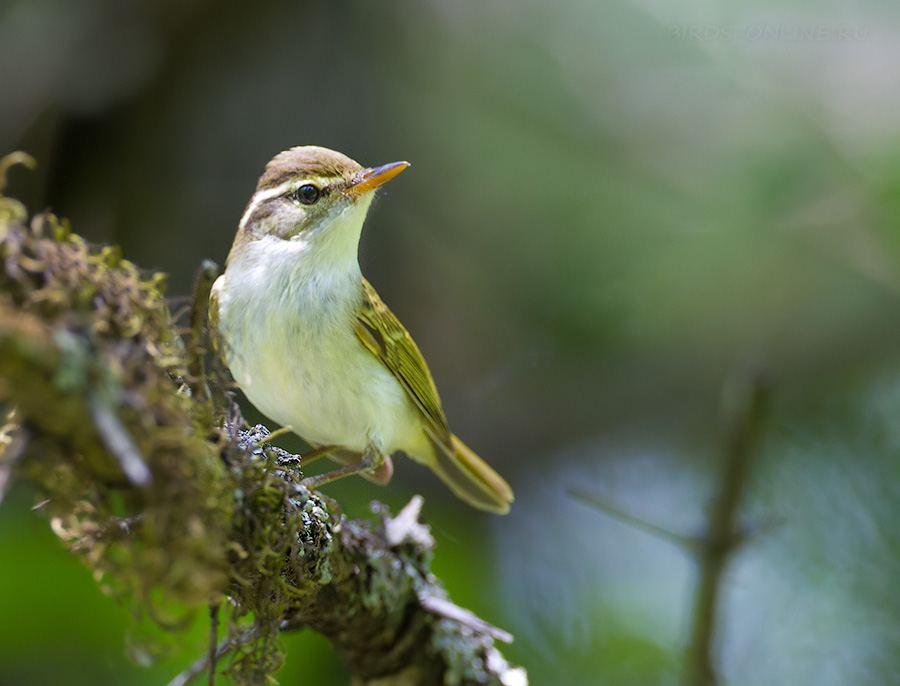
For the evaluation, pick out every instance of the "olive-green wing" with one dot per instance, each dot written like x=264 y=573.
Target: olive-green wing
x=386 y=338
x=214 y=306
x=215 y=334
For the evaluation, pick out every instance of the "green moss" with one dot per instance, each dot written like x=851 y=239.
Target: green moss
x=89 y=357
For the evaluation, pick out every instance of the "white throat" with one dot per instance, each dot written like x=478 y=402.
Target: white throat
x=329 y=249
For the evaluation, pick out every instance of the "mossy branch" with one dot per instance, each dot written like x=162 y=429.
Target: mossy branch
x=146 y=474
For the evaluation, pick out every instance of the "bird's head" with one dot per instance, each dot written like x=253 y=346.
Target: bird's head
x=313 y=195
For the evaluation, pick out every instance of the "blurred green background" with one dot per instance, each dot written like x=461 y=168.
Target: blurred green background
x=612 y=209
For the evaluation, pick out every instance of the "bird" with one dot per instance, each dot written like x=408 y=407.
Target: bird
x=313 y=346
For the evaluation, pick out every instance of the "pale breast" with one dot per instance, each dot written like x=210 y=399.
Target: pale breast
x=308 y=370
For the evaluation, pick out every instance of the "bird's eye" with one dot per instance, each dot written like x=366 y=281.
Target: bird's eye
x=308 y=194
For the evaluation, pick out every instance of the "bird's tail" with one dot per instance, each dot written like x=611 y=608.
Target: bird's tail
x=470 y=477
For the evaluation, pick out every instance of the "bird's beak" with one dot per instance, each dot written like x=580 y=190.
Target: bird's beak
x=373 y=178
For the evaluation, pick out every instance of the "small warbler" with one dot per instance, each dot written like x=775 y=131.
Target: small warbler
x=313 y=346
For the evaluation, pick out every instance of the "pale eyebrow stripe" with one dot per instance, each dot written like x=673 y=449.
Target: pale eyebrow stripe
x=260 y=197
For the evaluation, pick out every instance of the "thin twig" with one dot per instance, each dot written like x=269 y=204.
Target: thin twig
x=213 y=640
x=723 y=535
x=13 y=440
x=224 y=647
x=449 y=610
x=594 y=501
x=196 y=350
x=118 y=441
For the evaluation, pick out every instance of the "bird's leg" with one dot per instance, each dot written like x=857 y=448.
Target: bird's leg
x=272 y=435
x=315 y=454
x=372 y=459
